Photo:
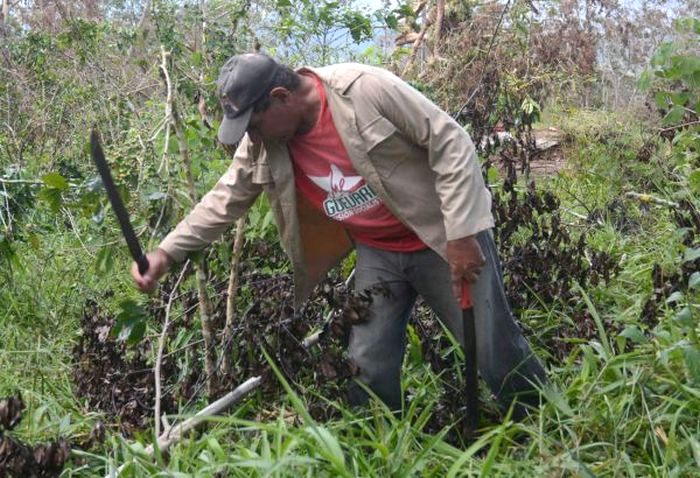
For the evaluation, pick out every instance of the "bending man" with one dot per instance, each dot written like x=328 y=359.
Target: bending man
x=350 y=156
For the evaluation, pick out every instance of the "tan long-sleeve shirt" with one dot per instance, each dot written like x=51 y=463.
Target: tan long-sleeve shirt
x=417 y=159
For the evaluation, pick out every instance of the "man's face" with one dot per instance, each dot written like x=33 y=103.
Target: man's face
x=277 y=123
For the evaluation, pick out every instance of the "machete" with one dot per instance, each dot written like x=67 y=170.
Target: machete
x=471 y=378
x=117 y=205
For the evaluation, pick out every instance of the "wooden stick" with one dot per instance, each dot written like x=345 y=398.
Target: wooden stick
x=226 y=365
x=647 y=198
x=21 y=181
x=161 y=346
x=175 y=434
x=205 y=307
x=437 y=35
x=416 y=45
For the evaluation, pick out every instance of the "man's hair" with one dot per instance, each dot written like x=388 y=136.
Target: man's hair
x=284 y=77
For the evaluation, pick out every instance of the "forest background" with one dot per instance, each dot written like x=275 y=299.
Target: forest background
x=586 y=117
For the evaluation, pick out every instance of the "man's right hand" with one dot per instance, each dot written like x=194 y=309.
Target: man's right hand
x=158 y=264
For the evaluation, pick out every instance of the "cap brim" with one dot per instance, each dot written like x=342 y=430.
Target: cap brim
x=232 y=130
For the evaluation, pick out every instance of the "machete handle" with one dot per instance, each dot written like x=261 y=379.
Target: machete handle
x=142 y=263
x=465 y=299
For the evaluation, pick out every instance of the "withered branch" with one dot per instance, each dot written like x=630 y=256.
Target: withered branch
x=232 y=293
x=205 y=307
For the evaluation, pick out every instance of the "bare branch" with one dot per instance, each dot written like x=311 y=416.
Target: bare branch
x=175 y=434
x=648 y=198
x=238 y=241
x=161 y=346
x=205 y=308
x=424 y=28
x=440 y=7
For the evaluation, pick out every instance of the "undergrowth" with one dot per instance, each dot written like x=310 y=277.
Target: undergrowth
x=624 y=398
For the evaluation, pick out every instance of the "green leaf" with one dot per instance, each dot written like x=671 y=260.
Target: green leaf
x=662 y=55
x=197 y=58
x=156 y=196
x=53 y=197
x=173 y=146
x=215 y=447
x=691 y=254
x=687 y=65
x=55 y=180
x=662 y=99
x=391 y=21
x=685 y=317
x=635 y=334
x=7 y=253
x=694 y=280
x=136 y=333
x=131 y=322
x=674 y=115
x=644 y=82
x=492 y=175
x=677 y=296
x=359 y=26
x=105 y=260
x=557 y=398
x=691 y=354
x=680 y=99
x=328 y=445
x=694 y=181
x=405 y=10
x=414 y=347
x=34 y=241
x=267 y=220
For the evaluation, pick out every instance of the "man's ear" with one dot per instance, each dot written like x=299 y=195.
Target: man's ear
x=280 y=93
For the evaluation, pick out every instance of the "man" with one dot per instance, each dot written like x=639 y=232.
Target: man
x=351 y=156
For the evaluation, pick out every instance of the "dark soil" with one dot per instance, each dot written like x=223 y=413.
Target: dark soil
x=113 y=379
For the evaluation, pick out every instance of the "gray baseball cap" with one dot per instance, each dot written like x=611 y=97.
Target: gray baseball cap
x=243 y=80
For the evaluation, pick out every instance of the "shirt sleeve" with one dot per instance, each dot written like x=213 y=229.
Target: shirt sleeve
x=228 y=200
x=465 y=201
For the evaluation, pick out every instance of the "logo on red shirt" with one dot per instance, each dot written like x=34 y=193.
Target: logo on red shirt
x=344 y=198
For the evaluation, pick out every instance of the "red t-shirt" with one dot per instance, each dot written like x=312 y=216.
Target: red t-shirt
x=324 y=174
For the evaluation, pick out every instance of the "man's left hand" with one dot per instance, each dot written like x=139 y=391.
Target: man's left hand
x=466 y=260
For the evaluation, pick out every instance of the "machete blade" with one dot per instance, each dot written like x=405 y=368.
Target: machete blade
x=116 y=201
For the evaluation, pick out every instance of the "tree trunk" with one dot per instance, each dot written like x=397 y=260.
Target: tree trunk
x=416 y=45
x=5 y=14
x=437 y=36
x=227 y=342
x=204 y=302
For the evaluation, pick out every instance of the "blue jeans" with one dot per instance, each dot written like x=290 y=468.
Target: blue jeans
x=377 y=346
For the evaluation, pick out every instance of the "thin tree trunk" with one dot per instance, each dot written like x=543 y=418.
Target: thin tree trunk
x=205 y=307
x=204 y=302
x=437 y=36
x=161 y=346
x=138 y=28
x=5 y=14
x=144 y=15
x=426 y=23
x=227 y=341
